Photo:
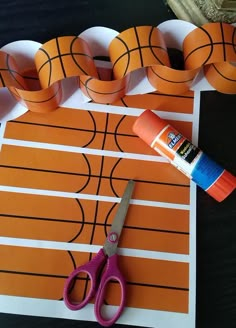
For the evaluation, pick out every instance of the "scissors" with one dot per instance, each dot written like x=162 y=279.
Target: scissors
x=106 y=256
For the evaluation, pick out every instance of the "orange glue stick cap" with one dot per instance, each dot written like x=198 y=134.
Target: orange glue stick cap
x=148 y=125
x=223 y=186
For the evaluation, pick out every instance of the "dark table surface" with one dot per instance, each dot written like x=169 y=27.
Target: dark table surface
x=40 y=21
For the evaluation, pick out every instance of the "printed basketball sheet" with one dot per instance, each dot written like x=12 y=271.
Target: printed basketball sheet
x=62 y=172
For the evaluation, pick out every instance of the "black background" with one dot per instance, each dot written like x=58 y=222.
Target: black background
x=216 y=222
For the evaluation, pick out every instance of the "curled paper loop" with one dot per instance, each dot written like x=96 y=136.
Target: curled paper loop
x=213 y=46
x=137 y=47
x=139 y=57
x=64 y=57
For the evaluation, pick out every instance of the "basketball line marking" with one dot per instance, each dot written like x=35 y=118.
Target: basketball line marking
x=162 y=78
x=157 y=286
x=50 y=59
x=60 y=59
x=225 y=77
x=100 y=178
x=84 y=223
x=223 y=41
x=37 y=218
x=211 y=44
x=134 y=49
x=50 y=66
x=12 y=70
x=73 y=54
x=29 y=77
x=11 y=73
x=128 y=54
x=99 y=224
x=170 y=95
x=72 y=128
x=90 y=176
x=151 y=47
x=37 y=101
x=234 y=44
x=139 y=46
x=86 y=86
x=2 y=80
x=81 y=228
x=97 y=92
x=47 y=275
x=50 y=275
x=37 y=274
x=18 y=73
x=116 y=133
x=207 y=45
x=72 y=259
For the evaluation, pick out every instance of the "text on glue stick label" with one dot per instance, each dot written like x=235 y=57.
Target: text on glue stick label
x=187 y=158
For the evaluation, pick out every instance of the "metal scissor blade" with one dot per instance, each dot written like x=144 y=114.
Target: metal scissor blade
x=118 y=222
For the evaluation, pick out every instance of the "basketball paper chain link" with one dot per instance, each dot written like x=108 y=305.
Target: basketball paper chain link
x=211 y=48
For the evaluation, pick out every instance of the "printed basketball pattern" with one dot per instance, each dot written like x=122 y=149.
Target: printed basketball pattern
x=9 y=72
x=136 y=48
x=103 y=91
x=211 y=47
x=34 y=278
x=30 y=164
x=211 y=43
x=215 y=50
x=64 y=57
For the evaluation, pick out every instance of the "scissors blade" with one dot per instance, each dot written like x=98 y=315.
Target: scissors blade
x=110 y=245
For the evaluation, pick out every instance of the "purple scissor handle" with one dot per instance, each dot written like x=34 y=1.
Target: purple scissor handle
x=106 y=256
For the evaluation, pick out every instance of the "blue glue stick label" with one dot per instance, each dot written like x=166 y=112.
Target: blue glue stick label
x=206 y=172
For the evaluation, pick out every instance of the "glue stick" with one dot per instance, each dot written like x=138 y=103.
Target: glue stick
x=186 y=157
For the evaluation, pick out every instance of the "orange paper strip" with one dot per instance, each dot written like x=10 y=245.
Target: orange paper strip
x=28 y=272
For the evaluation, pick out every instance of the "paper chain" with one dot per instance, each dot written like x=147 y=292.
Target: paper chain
x=211 y=48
